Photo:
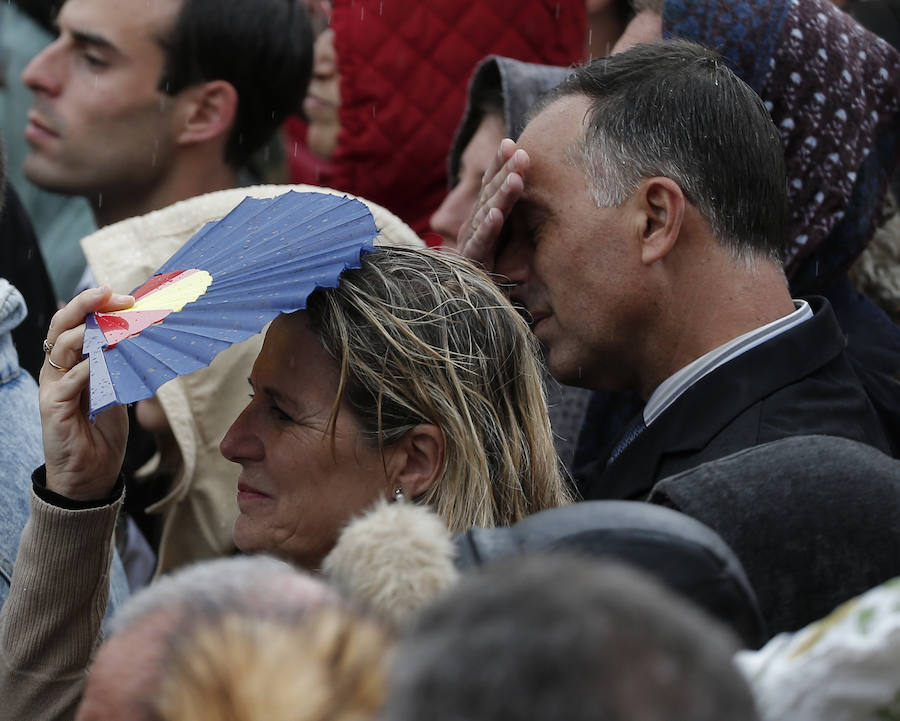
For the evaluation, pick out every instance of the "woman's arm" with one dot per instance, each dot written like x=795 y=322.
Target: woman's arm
x=51 y=622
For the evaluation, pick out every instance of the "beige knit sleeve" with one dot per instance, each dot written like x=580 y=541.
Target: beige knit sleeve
x=51 y=623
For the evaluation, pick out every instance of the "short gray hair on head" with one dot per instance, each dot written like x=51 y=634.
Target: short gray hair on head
x=253 y=584
x=674 y=109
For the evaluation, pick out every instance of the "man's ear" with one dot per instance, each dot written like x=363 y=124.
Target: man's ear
x=661 y=203
x=208 y=112
x=416 y=461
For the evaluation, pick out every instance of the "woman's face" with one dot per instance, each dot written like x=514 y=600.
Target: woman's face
x=299 y=484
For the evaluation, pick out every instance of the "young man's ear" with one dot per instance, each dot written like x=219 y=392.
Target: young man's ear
x=661 y=204
x=208 y=112
x=416 y=461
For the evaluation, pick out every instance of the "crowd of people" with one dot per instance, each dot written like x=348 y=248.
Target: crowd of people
x=626 y=445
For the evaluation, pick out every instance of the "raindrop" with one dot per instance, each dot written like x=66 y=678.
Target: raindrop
x=557 y=11
x=380 y=8
x=99 y=200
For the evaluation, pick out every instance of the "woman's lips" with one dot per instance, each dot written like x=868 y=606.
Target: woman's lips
x=249 y=494
x=314 y=105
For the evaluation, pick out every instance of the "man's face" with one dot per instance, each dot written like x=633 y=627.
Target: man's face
x=575 y=266
x=98 y=124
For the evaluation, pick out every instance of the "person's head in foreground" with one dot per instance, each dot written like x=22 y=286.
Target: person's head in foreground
x=651 y=187
x=556 y=637
x=240 y=638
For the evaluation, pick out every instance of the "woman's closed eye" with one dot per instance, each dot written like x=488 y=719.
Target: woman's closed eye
x=277 y=412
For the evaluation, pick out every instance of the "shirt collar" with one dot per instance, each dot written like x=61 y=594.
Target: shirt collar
x=669 y=390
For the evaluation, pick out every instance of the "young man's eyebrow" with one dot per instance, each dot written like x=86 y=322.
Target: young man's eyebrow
x=98 y=41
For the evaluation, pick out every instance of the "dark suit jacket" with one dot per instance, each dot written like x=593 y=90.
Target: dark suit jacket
x=798 y=383
x=813 y=520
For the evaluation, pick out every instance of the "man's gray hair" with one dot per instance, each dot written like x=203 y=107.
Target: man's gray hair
x=673 y=109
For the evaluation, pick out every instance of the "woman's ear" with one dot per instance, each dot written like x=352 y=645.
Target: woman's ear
x=416 y=461
x=209 y=111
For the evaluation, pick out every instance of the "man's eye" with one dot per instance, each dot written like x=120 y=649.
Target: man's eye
x=95 y=62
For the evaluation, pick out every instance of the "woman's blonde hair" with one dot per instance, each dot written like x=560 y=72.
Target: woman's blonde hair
x=425 y=337
x=326 y=665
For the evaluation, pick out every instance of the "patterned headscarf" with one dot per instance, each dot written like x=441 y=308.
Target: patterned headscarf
x=833 y=90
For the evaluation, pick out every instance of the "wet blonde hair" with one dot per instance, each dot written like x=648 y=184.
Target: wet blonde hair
x=423 y=337
x=327 y=665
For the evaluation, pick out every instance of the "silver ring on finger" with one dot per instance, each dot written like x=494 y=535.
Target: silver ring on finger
x=58 y=367
x=47 y=346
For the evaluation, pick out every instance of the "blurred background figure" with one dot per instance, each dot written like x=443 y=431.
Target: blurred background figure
x=20 y=438
x=22 y=264
x=564 y=638
x=389 y=82
x=60 y=220
x=843 y=666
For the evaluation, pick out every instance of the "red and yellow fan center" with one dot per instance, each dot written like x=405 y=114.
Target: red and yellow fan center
x=154 y=300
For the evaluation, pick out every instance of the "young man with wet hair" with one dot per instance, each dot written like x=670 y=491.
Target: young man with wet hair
x=138 y=105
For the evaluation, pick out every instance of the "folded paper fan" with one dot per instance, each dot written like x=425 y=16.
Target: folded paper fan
x=264 y=258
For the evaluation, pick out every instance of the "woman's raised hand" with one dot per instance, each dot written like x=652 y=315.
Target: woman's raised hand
x=83 y=458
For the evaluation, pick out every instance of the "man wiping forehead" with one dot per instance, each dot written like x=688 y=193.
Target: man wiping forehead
x=647 y=251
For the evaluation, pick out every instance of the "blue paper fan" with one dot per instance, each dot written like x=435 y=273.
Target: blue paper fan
x=231 y=278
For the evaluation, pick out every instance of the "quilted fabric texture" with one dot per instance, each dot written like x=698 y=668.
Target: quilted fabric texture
x=405 y=66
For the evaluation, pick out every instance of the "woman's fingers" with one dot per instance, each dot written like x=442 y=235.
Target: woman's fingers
x=70 y=385
x=65 y=336
x=65 y=354
x=89 y=301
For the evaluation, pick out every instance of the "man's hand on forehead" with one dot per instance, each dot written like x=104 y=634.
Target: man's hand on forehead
x=502 y=185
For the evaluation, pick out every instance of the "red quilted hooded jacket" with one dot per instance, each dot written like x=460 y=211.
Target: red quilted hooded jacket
x=405 y=67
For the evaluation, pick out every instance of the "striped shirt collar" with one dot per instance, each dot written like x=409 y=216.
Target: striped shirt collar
x=669 y=390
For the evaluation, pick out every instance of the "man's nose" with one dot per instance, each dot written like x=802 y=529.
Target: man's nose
x=43 y=73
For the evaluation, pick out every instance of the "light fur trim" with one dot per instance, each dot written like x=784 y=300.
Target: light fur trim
x=393 y=560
